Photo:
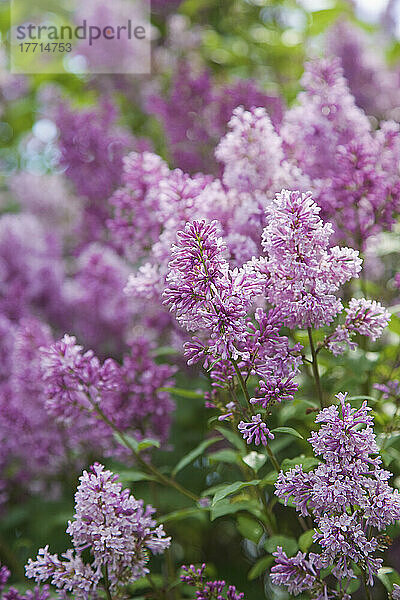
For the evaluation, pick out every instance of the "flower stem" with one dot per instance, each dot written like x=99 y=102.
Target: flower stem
x=241 y=380
x=146 y=466
x=315 y=368
x=107 y=583
x=366 y=587
x=273 y=459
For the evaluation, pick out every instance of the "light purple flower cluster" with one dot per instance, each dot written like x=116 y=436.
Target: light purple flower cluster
x=79 y=389
x=116 y=529
x=303 y=273
x=353 y=168
x=373 y=84
x=192 y=135
x=91 y=151
x=256 y=431
x=208 y=590
x=13 y=594
x=396 y=592
x=348 y=496
x=365 y=317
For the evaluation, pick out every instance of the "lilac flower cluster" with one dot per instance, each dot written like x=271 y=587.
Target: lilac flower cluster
x=348 y=496
x=82 y=391
x=353 y=168
x=302 y=272
x=208 y=590
x=192 y=135
x=13 y=594
x=118 y=531
x=365 y=317
x=91 y=151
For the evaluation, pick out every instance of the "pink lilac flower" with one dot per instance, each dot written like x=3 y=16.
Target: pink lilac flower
x=390 y=389
x=118 y=531
x=91 y=149
x=256 y=431
x=373 y=84
x=348 y=494
x=134 y=226
x=303 y=273
x=204 y=293
x=78 y=386
x=192 y=135
x=208 y=590
x=99 y=309
x=31 y=270
x=365 y=317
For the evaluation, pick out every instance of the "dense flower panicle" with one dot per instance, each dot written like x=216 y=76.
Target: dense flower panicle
x=275 y=390
x=373 y=84
x=303 y=275
x=134 y=225
x=77 y=385
x=325 y=118
x=208 y=590
x=31 y=274
x=348 y=494
x=297 y=573
x=192 y=135
x=118 y=531
x=92 y=148
x=256 y=431
x=251 y=152
x=99 y=309
x=365 y=317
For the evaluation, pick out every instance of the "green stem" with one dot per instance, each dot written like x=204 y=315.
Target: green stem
x=366 y=587
x=273 y=459
x=315 y=368
x=107 y=583
x=146 y=466
x=241 y=380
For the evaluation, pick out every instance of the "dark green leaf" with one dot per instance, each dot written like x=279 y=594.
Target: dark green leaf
x=193 y=454
x=289 y=431
x=288 y=544
x=260 y=566
x=231 y=488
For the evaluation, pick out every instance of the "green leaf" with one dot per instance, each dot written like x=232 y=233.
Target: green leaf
x=147 y=443
x=288 y=544
x=260 y=566
x=229 y=508
x=307 y=462
x=255 y=460
x=306 y=539
x=181 y=393
x=249 y=528
x=127 y=441
x=234 y=439
x=289 y=431
x=232 y=488
x=164 y=351
x=193 y=454
x=388 y=576
x=184 y=513
x=270 y=478
x=227 y=455
x=132 y=476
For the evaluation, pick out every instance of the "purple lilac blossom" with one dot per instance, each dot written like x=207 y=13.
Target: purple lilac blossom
x=78 y=386
x=303 y=274
x=365 y=317
x=91 y=152
x=118 y=531
x=390 y=389
x=255 y=431
x=396 y=592
x=348 y=494
x=353 y=168
x=373 y=84
x=208 y=590
x=192 y=135
x=31 y=272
